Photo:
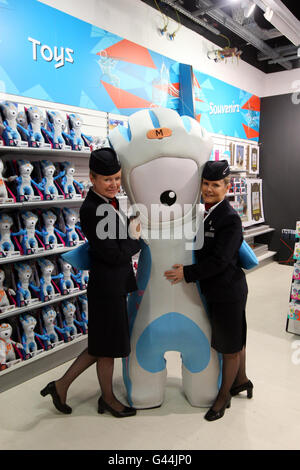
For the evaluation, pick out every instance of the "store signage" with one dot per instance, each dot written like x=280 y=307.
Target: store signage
x=65 y=60
x=223 y=108
x=60 y=55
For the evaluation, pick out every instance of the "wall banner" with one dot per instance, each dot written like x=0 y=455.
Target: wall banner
x=224 y=109
x=49 y=55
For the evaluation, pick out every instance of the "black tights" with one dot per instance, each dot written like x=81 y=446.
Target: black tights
x=104 y=368
x=233 y=373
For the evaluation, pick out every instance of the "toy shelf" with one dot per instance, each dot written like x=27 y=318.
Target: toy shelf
x=32 y=151
x=36 y=305
x=47 y=360
x=41 y=204
x=58 y=251
x=27 y=369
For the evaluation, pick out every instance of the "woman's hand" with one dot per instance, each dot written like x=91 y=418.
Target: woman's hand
x=176 y=274
x=134 y=228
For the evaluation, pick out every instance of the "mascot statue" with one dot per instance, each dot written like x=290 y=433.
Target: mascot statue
x=162 y=156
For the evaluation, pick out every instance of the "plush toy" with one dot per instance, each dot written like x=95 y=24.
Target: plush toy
x=7 y=247
x=35 y=122
x=84 y=310
x=82 y=278
x=70 y=322
x=10 y=132
x=4 y=302
x=95 y=143
x=22 y=126
x=71 y=236
x=50 y=327
x=56 y=126
x=74 y=136
x=48 y=182
x=6 y=244
x=49 y=230
x=4 y=198
x=8 y=345
x=24 y=182
x=2 y=354
x=29 y=242
x=68 y=181
x=5 y=339
x=66 y=282
x=162 y=156
x=3 y=190
x=47 y=290
x=24 y=272
x=28 y=323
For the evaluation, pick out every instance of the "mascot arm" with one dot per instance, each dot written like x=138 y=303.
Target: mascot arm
x=227 y=244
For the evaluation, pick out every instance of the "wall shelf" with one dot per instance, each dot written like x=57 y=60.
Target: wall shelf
x=47 y=360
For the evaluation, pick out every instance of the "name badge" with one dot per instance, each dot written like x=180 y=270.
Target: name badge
x=209 y=234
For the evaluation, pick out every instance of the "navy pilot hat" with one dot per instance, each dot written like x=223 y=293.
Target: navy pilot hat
x=215 y=170
x=104 y=161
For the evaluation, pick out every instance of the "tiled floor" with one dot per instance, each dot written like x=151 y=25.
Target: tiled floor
x=271 y=420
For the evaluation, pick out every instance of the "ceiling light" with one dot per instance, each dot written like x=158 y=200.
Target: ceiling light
x=250 y=10
x=282 y=19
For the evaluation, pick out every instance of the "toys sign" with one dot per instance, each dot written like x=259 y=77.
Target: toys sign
x=48 y=54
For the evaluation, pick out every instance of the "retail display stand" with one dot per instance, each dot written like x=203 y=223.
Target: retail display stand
x=293 y=317
x=61 y=302
x=26 y=363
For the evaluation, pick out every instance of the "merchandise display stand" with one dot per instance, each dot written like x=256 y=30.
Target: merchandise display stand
x=293 y=317
x=27 y=368
x=96 y=123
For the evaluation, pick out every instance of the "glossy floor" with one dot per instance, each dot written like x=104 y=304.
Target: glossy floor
x=271 y=420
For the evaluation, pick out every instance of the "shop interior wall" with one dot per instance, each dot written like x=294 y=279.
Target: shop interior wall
x=279 y=135
x=138 y=22
x=280 y=162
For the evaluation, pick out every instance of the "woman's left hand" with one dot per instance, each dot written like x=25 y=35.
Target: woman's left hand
x=176 y=274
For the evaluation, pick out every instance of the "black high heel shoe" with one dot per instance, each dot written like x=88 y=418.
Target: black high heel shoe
x=212 y=415
x=103 y=406
x=50 y=389
x=240 y=388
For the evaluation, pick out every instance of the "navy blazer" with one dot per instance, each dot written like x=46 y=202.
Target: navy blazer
x=111 y=270
x=217 y=267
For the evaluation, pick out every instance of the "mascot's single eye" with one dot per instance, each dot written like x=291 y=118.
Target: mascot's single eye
x=168 y=198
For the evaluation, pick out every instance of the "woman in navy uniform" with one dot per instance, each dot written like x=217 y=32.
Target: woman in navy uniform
x=113 y=242
x=222 y=282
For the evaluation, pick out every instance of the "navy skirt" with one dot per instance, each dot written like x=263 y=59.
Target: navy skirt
x=229 y=327
x=108 y=329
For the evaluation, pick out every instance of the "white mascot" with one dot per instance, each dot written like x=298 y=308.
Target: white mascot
x=162 y=156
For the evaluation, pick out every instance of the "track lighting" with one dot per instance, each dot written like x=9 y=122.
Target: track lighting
x=250 y=10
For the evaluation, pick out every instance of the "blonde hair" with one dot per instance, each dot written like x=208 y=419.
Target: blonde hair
x=226 y=180
x=93 y=174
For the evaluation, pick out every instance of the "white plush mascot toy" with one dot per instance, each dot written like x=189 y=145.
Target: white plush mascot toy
x=162 y=156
